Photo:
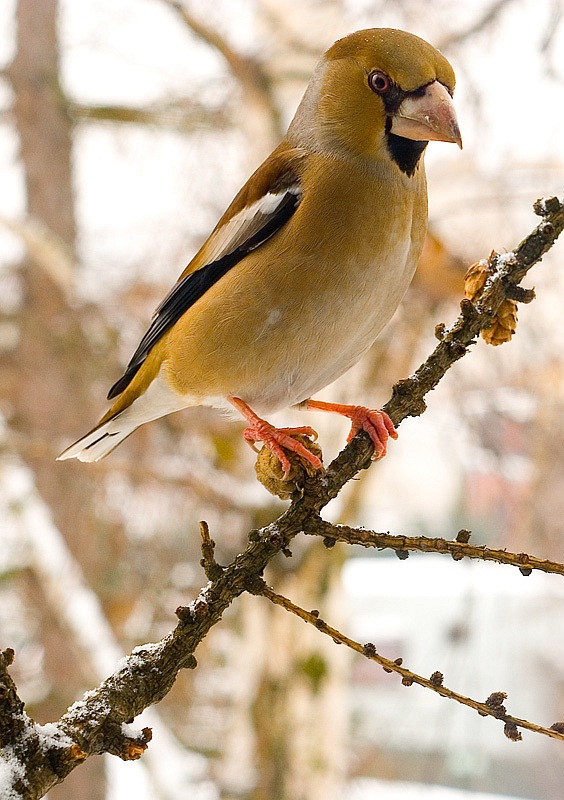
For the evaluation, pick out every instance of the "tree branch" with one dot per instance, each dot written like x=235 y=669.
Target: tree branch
x=181 y=115
x=94 y=725
x=507 y=270
x=248 y=72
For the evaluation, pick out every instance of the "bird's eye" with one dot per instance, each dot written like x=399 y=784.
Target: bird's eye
x=379 y=82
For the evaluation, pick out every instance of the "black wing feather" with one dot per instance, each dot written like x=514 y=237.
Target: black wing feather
x=188 y=290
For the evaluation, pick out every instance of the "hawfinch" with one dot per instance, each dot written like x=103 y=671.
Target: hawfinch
x=310 y=260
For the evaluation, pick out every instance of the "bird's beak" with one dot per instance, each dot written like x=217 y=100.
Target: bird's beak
x=429 y=116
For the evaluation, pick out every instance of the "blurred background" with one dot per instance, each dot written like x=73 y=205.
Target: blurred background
x=125 y=129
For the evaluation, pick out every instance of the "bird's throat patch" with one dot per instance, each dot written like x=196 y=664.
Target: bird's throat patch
x=405 y=152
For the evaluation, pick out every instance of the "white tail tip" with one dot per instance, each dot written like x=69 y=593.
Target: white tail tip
x=97 y=444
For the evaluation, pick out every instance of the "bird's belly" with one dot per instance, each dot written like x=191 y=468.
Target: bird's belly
x=308 y=344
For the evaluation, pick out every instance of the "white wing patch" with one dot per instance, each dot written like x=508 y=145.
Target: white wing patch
x=246 y=223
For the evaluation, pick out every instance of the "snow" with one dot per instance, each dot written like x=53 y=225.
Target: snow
x=131 y=731
x=150 y=647
x=11 y=770
x=52 y=736
x=95 y=706
x=126 y=663
x=505 y=259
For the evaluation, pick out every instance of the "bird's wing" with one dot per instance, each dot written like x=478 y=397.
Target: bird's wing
x=247 y=223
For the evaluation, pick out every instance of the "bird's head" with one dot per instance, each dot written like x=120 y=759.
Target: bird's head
x=378 y=88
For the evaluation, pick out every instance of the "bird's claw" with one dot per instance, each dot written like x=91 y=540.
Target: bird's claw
x=377 y=424
x=280 y=439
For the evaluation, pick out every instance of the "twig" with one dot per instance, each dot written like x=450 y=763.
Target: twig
x=250 y=74
x=403 y=544
x=492 y=707
x=211 y=567
x=182 y=114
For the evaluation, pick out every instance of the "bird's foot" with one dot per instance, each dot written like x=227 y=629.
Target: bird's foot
x=377 y=424
x=280 y=439
x=276 y=439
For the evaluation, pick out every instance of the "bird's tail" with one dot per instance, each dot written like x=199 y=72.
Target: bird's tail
x=100 y=441
x=136 y=406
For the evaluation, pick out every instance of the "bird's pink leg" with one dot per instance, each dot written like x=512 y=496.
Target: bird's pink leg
x=276 y=439
x=377 y=424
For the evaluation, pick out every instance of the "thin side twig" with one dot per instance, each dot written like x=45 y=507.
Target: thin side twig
x=492 y=707
x=423 y=544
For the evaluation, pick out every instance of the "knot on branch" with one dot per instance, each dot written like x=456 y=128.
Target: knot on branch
x=546 y=205
x=211 y=568
x=520 y=294
x=512 y=732
x=495 y=703
x=76 y=753
x=406 y=394
x=124 y=741
x=133 y=747
x=558 y=727
x=62 y=759
x=467 y=308
x=255 y=584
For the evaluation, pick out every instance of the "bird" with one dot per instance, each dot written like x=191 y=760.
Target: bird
x=308 y=263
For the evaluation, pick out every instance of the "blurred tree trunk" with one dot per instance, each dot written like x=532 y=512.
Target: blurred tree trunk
x=43 y=377
x=300 y=711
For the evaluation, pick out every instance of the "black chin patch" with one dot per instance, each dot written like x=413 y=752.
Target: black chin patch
x=405 y=152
